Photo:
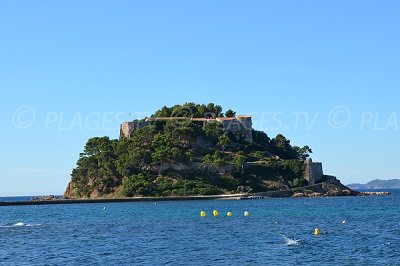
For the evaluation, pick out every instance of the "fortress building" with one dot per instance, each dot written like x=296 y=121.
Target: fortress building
x=241 y=124
x=313 y=171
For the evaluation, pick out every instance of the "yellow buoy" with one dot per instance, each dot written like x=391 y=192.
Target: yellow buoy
x=216 y=213
x=316 y=231
x=229 y=214
x=246 y=213
x=203 y=214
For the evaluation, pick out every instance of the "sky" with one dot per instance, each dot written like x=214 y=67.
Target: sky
x=323 y=73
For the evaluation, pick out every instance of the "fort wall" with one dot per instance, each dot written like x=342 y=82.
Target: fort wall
x=313 y=171
x=239 y=124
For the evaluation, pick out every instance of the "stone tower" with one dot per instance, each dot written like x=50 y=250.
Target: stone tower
x=127 y=129
x=313 y=172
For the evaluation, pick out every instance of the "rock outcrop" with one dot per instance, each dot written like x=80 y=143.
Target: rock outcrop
x=44 y=198
x=329 y=188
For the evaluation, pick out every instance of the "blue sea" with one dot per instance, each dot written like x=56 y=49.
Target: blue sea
x=277 y=232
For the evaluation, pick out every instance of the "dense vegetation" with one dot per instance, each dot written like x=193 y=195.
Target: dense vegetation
x=162 y=160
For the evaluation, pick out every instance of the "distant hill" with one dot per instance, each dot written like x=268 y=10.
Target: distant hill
x=377 y=184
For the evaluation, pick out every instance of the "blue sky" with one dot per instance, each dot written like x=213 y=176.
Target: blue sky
x=323 y=73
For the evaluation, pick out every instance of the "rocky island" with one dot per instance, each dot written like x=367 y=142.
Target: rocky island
x=196 y=149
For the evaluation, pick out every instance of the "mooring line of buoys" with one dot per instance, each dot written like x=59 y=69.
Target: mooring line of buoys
x=317 y=232
x=203 y=214
x=215 y=213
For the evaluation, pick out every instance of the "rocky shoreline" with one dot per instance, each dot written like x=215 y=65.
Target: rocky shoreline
x=325 y=189
x=374 y=193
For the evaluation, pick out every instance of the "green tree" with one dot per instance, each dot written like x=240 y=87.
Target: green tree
x=213 y=130
x=165 y=150
x=240 y=161
x=294 y=168
x=218 y=111
x=162 y=149
x=163 y=112
x=302 y=153
x=214 y=110
x=282 y=148
x=144 y=136
x=98 y=146
x=299 y=182
x=224 y=141
x=201 y=111
x=207 y=161
x=190 y=110
x=261 y=138
x=134 y=160
x=96 y=164
x=230 y=113
x=215 y=160
x=139 y=185
x=210 y=108
x=183 y=131
x=218 y=159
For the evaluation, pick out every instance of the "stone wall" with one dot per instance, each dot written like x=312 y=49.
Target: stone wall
x=313 y=171
x=246 y=127
x=318 y=173
x=238 y=124
x=127 y=129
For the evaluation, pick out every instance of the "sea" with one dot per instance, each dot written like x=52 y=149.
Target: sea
x=353 y=231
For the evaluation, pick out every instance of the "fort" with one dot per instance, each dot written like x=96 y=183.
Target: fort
x=241 y=124
x=313 y=171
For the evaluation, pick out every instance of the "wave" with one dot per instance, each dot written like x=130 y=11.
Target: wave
x=19 y=224
x=291 y=241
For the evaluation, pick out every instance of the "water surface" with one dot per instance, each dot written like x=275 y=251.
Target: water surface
x=278 y=232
